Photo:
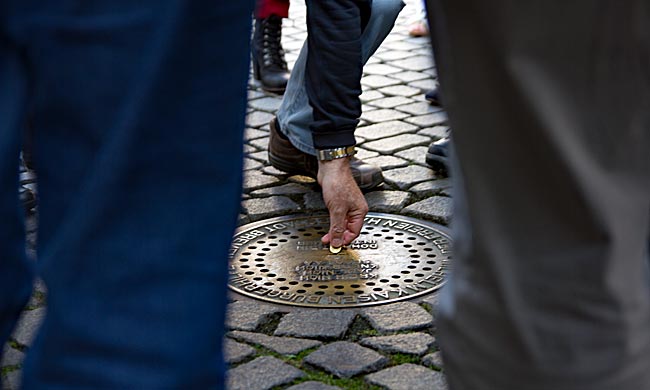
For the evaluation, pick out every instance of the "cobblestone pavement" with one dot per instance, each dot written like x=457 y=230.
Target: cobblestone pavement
x=389 y=346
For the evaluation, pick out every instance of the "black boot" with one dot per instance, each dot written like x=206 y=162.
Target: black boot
x=269 y=65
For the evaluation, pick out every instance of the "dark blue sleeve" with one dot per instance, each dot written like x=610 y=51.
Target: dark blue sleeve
x=334 y=67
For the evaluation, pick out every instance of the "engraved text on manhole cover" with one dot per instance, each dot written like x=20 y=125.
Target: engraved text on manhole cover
x=282 y=260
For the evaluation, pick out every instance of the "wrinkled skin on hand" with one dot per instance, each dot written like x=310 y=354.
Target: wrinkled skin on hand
x=344 y=200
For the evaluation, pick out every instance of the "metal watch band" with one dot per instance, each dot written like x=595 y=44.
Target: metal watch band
x=333 y=154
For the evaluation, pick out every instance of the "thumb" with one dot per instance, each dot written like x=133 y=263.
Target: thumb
x=337 y=228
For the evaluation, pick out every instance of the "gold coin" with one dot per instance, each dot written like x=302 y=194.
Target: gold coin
x=335 y=250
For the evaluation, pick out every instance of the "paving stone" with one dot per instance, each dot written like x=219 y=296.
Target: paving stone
x=392 y=102
x=417 y=154
x=387 y=201
x=428 y=120
x=252 y=164
x=13 y=380
x=408 y=377
x=273 y=171
x=263 y=373
x=423 y=85
x=384 y=129
x=387 y=162
x=252 y=95
x=312 y=385
x=248 y=315
x=401 y=45
x=270 y=104
x=370 y=95
x=11 y=356
x=345 y=359
x=314 y=201
x=323 y=323
x=410 y=75
x=432 y=300
x=435 y=132
x=285 y=189
x=383 y=115
x=397 y=317
x=258 y=118
x=261 y=156
x=393 y=144
x=249 y=149
x=436 y=208
x=243 y=219
x=281 y=345
x=416 y=63
x=28 y=325
x=400 y=90
x=255 y=180
x=380 y=69
x=374 y=81
x=434 y=187
x=250 y=134
x=404 y=178
x=418 y=108
x=410 y=343
x=433 y=359
x=260 y=143
x=235 y=352
x=364 y=154
x=260 y=208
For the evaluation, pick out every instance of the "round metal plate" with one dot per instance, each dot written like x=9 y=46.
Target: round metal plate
x=282 y=260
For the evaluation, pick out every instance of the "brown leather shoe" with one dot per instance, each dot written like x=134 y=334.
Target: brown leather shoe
x=286 y=157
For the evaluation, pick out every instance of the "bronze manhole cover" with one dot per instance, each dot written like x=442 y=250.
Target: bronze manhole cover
x=283 y=261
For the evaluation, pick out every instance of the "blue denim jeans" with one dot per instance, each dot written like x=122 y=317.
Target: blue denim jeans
x=295 y=114
x=138 y=110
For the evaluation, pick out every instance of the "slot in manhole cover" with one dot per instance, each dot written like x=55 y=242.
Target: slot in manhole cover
x=282 y=260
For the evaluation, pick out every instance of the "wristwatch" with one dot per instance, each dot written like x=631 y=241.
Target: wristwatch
x=333 y=154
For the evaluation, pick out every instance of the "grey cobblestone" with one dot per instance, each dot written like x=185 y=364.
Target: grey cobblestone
x=434 y=187
x=28 y=325
x=235 y=352
x=263 y=373
x=400 y=90
x=433 y=359
x=383 y=115
x=387 y=162
x=397 y=317
x=392 y=102
x=266 y=207
x=384 y=129
x=285 y=189
x=378 y=81
x=394 y=144
x=410 y=343
x=428 y=120
x=408 y=377
x=435 y=132
x=323 y=323
x=345 y=359
x=312 y=385
x=404 y=178
x=11 y=357
x=418 y=108
x=258 y=118
x=314 y=201
x=387 y=201
x=248 y=315
x=437 y=208
x=416 y=154
x=281 y=345
x=270 y=104
x=255 y=181
x=423 y=85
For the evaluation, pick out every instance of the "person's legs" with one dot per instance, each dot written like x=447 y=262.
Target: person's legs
x=295 y=114
x=138 y=119
x=269 y=64
x=550 y=288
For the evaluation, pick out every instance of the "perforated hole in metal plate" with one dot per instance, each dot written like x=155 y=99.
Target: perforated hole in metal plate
x=282 y=260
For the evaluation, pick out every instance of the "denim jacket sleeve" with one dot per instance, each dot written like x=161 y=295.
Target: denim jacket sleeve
x=334 y=68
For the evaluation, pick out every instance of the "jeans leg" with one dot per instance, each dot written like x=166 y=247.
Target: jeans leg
x=16 y=272
x=295 y=114
x=139 y=110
